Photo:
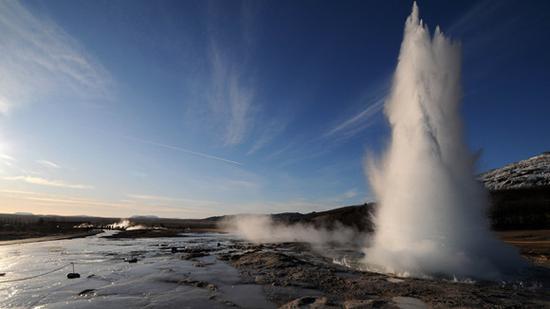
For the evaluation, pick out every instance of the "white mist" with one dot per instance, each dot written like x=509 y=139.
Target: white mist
x=431 y=218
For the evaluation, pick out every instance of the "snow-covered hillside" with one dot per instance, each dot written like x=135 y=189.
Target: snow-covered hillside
x=530 y=173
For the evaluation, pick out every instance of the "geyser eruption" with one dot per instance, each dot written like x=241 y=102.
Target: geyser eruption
x=431 y=218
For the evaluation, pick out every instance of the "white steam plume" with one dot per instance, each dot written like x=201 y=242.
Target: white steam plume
x=431 y=218
x=128 y=225
x=263 y=229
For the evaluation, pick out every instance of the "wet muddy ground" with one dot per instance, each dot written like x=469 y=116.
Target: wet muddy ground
x=219 y=271
x=171 y=272
x=295 y=276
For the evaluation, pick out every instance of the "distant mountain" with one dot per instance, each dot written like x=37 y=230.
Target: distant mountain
x=356 y=216
x=144 y=217
x=531 y=173
x=519 y=196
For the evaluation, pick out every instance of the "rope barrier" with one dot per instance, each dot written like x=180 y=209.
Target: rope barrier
x=36 y=276
x=90 y=263
x=51 y=271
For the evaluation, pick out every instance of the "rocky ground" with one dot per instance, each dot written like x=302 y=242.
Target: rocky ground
x=529 y=173
x=294 y=276
x=205 y=270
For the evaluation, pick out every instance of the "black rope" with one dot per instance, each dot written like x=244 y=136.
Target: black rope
x=89 y=263
x=35 y=276
x=52 y=271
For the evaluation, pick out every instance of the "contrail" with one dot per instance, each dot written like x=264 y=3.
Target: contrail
x=167 y=146
x=191 y=152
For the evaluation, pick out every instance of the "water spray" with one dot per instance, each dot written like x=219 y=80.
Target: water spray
x=431 y=219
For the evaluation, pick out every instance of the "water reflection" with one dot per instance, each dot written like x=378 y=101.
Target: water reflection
x=159 y=278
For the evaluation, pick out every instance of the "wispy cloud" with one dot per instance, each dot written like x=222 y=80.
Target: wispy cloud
x=38 y=202
x=39 y=58
x=491 y=30
x=357 y=122
x=48 y=164
x=232 y=185
x=269 y=132
x=6 y=159
x=46 y=182
x=350 y=194
x=477 y=13
x=161 y=198
x=372 y=100
x=138 y=174
x=230 y=85
x=181 y=204
x=165 y=146
x=152 y=197
x=232 y=96
x=57 y=199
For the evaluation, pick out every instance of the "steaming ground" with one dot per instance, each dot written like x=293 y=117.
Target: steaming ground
x=263 y=229
x=211 y=270
x=127 y=225
x=431 y=217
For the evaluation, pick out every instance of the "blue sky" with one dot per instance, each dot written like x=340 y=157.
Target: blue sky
x=200 y=108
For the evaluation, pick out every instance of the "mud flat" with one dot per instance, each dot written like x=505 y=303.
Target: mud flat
x=157 y=233
x=213 y=270
x=169 y=272
x=294 y=276
x=49 y=238
x=132 y=234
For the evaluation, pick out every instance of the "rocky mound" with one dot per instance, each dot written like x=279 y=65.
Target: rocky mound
x=520 y=194
x=531 y=173
x=356 y=216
